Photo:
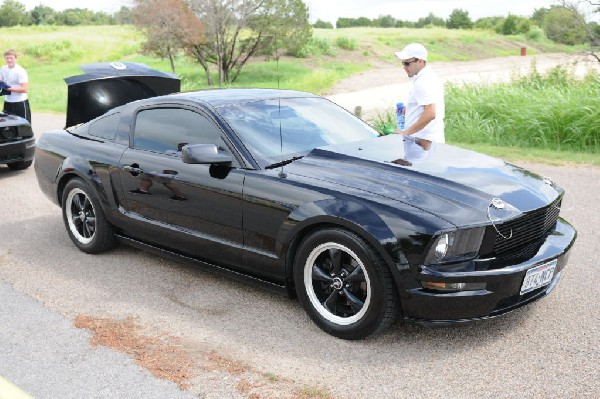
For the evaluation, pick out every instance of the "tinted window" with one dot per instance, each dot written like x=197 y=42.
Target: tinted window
x=105 y=127
x=166 y=130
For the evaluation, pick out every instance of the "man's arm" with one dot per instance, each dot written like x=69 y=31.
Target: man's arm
x=23 y=89
x=427 y=116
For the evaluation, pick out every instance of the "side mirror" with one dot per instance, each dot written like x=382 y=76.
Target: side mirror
x=205 y=154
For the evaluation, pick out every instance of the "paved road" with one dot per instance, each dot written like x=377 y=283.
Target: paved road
x=244 y=341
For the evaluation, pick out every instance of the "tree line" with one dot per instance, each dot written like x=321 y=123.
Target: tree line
x=562 y=23
x=14 y=13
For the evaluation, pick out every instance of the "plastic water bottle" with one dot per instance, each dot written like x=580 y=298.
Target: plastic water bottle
x=400 y=116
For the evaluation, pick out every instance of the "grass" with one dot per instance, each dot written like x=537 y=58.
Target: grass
x=555 y=111
x=443 y=44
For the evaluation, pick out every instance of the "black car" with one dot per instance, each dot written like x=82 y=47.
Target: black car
x=17 y=144
x=288 y=190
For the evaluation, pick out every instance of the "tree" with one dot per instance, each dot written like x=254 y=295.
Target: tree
x=124 y=16
x=239 y=29
x=538 y=16
x=12 y=13
x=509 y=26
x=490 y=23
x=563 y=25
x=431 y=19
x=43 y=15
x=591 y=30
x=322 y=25
x=385 y=21
x=169 y=25
x=459 y=19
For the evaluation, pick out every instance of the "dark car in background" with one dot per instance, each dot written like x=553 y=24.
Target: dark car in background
x=288 y=190
x=17 y=143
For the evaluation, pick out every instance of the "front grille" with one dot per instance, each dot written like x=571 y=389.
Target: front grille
x=525 y=231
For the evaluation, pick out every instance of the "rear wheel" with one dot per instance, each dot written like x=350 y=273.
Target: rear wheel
x=85 y=222
x=344 y=285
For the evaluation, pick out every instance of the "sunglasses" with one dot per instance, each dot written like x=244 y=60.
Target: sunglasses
x=407 y=63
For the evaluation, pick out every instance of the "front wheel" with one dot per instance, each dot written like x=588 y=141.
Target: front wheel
x=344 y=285
x=85 y=222
x=19 y=165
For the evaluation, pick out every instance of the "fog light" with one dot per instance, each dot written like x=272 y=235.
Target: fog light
x=448 y=287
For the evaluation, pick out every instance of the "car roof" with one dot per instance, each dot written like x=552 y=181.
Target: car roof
x=221 y=97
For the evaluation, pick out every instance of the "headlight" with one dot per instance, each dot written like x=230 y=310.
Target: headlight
x=442 y=245
x=455 y=246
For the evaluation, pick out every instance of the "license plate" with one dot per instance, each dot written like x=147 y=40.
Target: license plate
x=538 y=276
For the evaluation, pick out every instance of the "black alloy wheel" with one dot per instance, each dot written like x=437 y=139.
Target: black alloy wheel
x=85 y=222
x=344 y=285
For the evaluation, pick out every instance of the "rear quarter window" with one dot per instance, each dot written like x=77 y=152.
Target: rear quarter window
x=105 y=127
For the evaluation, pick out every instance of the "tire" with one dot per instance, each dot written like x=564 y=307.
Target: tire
x=344 y=285
x=84 y=219
x=20 y=165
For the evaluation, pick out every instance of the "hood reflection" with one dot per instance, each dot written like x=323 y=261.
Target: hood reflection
x=414 y=151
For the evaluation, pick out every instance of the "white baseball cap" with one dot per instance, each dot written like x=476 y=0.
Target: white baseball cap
x=413 y=50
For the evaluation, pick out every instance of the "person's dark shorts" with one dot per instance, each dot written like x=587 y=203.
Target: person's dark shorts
x=20 y=108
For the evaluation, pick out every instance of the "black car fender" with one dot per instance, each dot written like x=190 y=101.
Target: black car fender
x=76 y=166
x=356 y=217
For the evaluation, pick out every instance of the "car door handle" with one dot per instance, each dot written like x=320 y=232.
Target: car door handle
x=133 y=169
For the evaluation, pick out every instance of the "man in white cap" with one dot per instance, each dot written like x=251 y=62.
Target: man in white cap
x=425 y=108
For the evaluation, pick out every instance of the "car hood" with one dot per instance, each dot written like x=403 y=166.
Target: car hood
x=12 y=120
x=458 y=185
x=106 y=85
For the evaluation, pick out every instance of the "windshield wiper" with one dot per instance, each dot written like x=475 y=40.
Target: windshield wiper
x=282 y=163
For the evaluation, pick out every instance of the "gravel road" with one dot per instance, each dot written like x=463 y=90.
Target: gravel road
x=237 y=341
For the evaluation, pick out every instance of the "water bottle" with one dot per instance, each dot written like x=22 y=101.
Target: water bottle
x=400 y=116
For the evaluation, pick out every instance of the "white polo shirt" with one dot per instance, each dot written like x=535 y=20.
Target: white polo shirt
x=14 y=77
x=427 y=88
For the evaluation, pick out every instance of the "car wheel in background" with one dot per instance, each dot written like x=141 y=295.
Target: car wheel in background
x=20 y=165
x=85 y=222
x=344 y=285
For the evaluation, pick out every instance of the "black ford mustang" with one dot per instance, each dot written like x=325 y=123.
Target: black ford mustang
x=288 y=190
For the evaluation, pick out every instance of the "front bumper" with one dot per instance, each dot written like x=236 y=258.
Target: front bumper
x=17 y=150
x=502 y=286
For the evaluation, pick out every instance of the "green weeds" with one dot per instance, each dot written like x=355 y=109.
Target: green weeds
x=555 y=111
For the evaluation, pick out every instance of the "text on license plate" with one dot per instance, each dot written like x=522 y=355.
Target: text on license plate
x=538 y=276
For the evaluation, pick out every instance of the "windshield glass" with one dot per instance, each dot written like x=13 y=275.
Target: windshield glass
x=305 y=123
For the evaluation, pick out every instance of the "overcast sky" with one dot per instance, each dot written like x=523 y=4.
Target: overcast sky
x=331 y=10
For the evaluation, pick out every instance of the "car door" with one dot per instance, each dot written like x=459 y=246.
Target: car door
x=193 y=208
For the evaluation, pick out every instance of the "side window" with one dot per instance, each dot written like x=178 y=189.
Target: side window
x=166 y=130
x=105 y=128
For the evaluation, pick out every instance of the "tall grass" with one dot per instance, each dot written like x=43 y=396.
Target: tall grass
x=554 y=111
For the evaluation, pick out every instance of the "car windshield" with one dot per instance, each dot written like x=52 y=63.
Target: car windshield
x=280 y=129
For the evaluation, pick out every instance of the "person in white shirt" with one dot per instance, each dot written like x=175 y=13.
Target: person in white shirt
x=15 y=76
x=425 y=109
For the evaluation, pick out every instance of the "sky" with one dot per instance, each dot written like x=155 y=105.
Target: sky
x=331 y=10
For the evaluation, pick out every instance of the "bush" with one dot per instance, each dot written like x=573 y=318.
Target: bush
x=345 y=43
x=59 y=51
x=315 y=46
x=384 y=121
x=536 y=34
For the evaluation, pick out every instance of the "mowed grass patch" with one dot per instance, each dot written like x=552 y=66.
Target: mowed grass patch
x=443 y=44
